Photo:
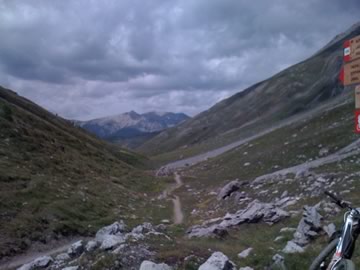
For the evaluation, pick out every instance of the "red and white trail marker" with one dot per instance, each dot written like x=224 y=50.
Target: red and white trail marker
x=357 y=121
x=347 y=51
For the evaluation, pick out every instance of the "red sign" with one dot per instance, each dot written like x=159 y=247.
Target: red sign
x=357 y=121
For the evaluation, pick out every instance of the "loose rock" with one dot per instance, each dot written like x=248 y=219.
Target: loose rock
x=245 y=253
x=148 y=265
x=292 y=247
x=218 y=261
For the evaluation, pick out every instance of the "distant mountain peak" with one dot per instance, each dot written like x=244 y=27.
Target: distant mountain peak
x=132 y=124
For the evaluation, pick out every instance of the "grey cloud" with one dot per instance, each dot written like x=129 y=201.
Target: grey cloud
x=90 y=58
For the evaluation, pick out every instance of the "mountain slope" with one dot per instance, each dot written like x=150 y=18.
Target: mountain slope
x=132 y=129
x=297 y=89
x=57 y=180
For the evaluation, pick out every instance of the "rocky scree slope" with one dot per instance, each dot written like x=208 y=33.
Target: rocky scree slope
x=296 y=89
x=57 y=180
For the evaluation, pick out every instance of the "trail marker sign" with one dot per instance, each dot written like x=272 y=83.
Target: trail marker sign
x=352 y=72
x=352 y=49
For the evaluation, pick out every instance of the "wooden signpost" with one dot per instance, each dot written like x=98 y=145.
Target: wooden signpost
x=350 y=74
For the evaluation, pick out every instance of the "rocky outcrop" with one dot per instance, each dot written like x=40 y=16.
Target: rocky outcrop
x=253 y=213
x=218 y=261
x=229 y=188
x=111 y=236
x=309 y=226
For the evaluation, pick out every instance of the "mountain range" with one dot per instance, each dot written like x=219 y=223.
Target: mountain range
x=132 y=129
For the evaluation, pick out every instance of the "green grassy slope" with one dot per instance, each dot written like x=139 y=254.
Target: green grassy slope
x=57 y=180
x=297 y=89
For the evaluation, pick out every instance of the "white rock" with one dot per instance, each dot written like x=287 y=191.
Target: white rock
x=165 y=221
x=111 y=236
x=246 y=268
x=247 y=164
x=76 y=249
x=245 y=253
x=71 y=268
x=91 y=246
x=111 y=241
x=218 y=261
x=113 y=229
x=287 y=229
x=277 y=239
x=62 y=257
x=291 y=247
x=148 y=265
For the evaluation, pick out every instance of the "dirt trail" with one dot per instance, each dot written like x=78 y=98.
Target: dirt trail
x=178 y=214
x=33 y=254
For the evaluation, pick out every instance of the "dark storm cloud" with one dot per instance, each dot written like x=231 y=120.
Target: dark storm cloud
x=87 y=59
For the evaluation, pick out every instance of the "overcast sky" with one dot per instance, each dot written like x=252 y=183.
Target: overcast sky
x=85 y=59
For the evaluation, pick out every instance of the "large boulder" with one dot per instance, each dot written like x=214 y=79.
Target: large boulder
x=228 y=189
x=111 y=236
x=113 y=229
x=309 y=226
x=255 y=212
x=39 y=263
x=148 y=265
x=218 y=261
